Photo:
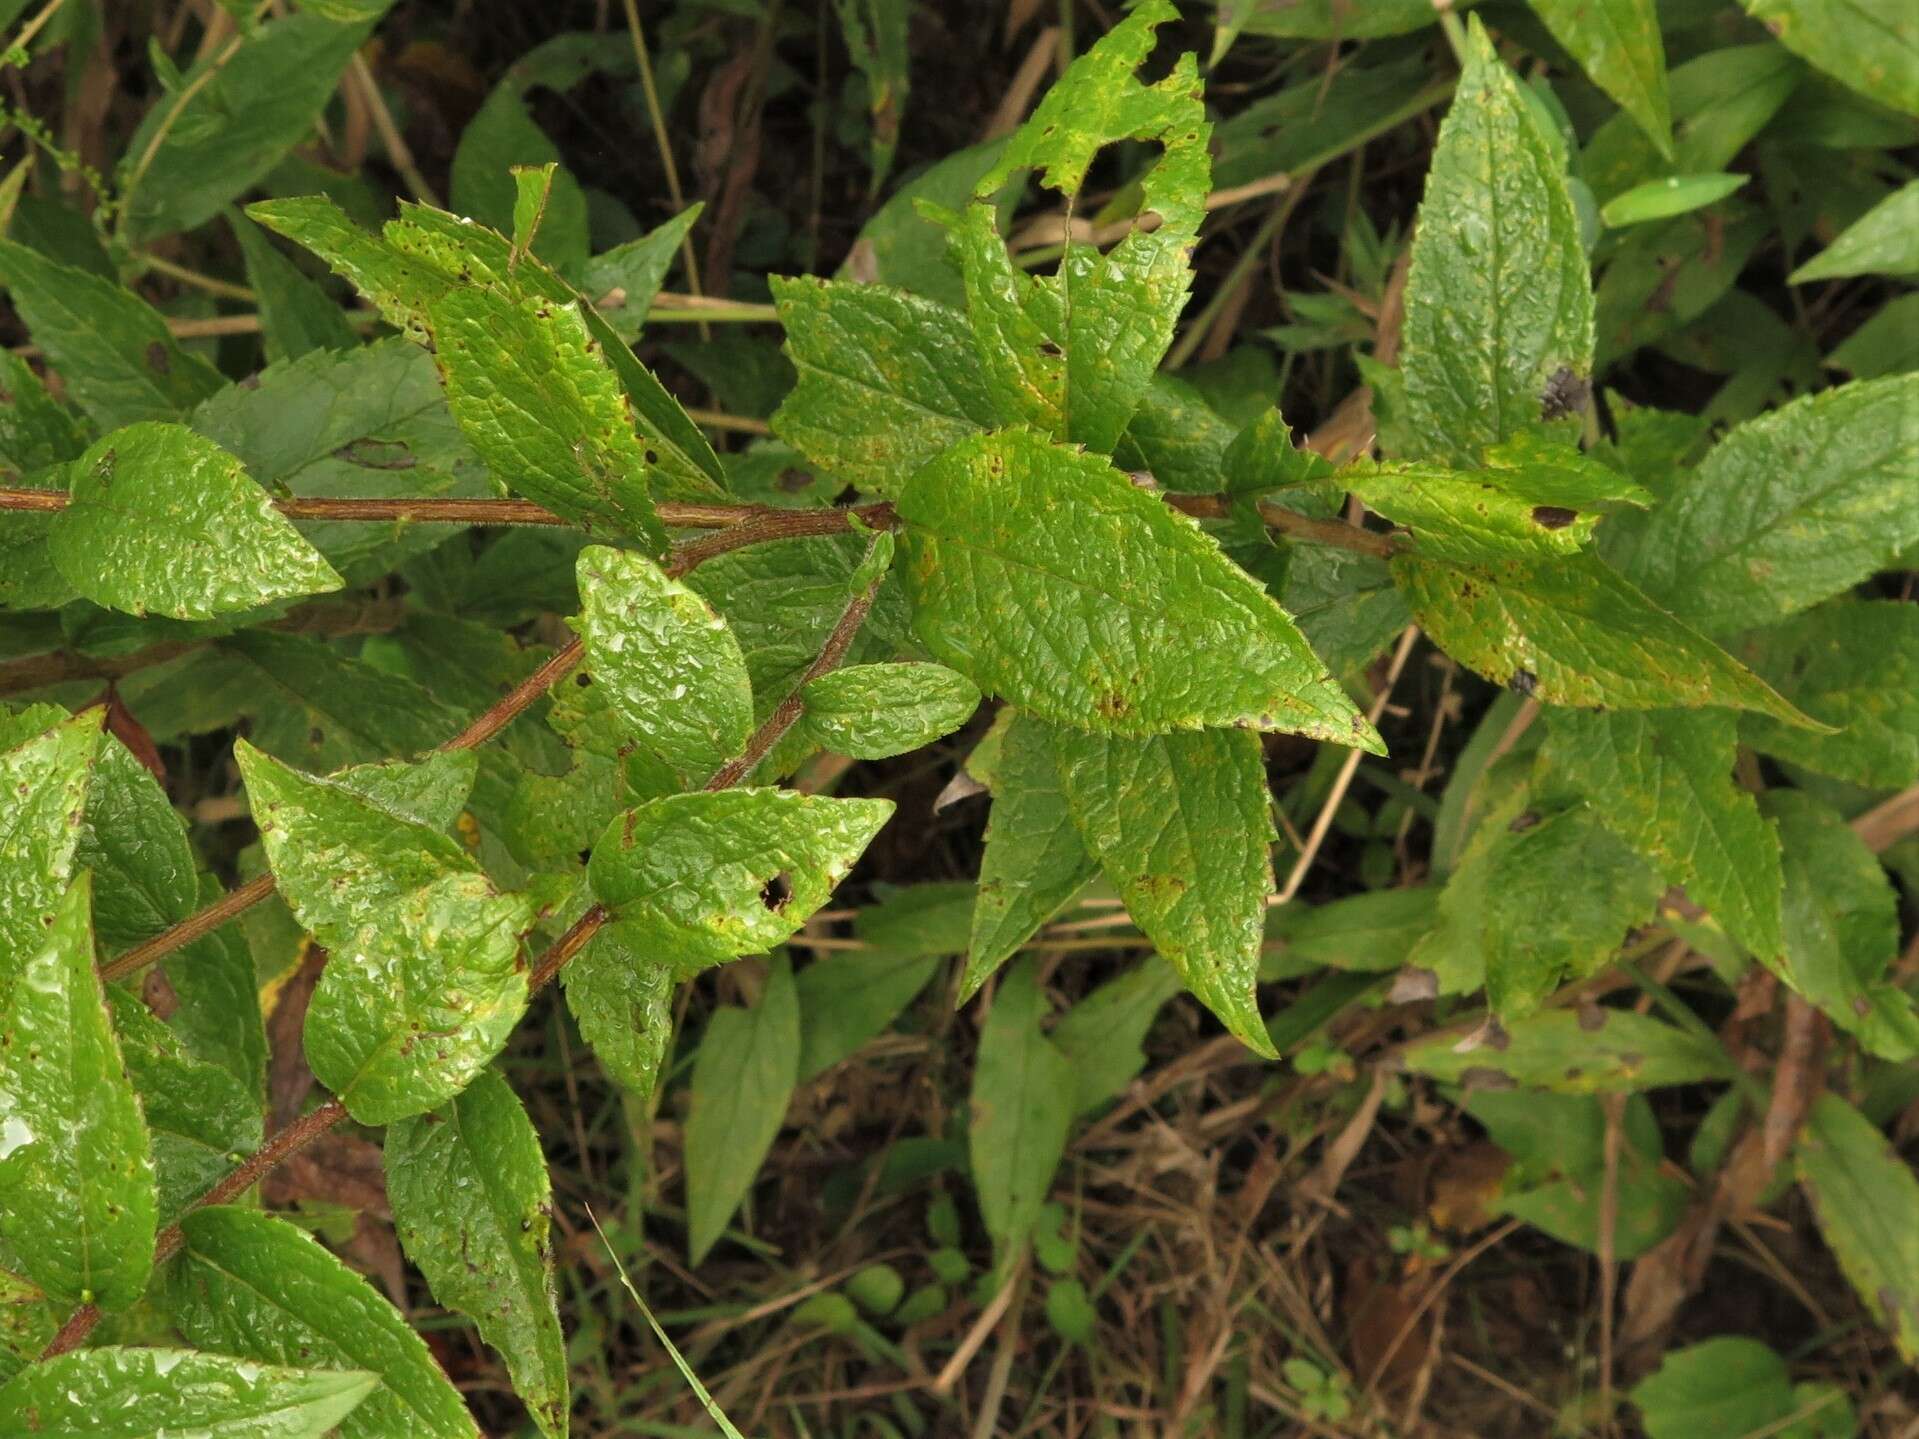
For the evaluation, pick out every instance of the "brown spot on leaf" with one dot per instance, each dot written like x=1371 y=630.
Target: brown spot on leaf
x=1566 y=393
x=1553 y=517
x=158 y=360
x=1523 y=682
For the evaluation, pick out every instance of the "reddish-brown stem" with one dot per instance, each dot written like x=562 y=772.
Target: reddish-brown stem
x=565 y=947
x=194 y=926
x=1334 y=533
x=519 y=697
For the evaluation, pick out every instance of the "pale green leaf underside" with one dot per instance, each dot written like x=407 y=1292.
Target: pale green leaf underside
x=1182 y=825
x=1043 y=575
x=470 y=1199
x=1021 y=1109
x=1499 y=299
x=124 y=1393
x=622 y=999
x=254 y=1286
x=162 y=521
x=1852 y=664
x=1864 y=1196
x=45 y=779
x=1557 y=1050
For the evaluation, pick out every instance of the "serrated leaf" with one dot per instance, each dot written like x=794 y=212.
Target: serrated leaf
x=1570 y=631
x=1662 y=781
x=1560 y=897
x=743 y=1078
x=296 y=315
x=1863 y=1196
x=1020 y=1110
x=873 y=711
x=887 y=380
x=1182 y=825
x=1870 y=45
x=431 y=791
x=503 y=138
x=1569 y=1053
x=77 y=1200
x=251 y=1285
x=471 y=1203
x=163 y=521
x=538 y=404
x=1789 y=509
x=123 y=1393
x=1840 y=921
x=1035 y=861
x=622 y=999
x=1616 y=42
x=672 y=670
x=201 y=1117
x=423 y=981
x=1499 y=299
x=120 y=362
x=398 y=284
x=686 y=872
x=1854 y=665
x=233 y=119
x=45 y=778
x=1044 y=576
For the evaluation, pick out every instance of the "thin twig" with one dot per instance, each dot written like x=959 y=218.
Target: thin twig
x=397 y=149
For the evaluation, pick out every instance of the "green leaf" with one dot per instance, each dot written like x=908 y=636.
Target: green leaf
x=296 y=315
x=420 y=943
x=400 y=285
x=903 y=248
x=45 y=778
x=1364 y=933
x=1044 y=576
x=622 y=999
x=1182 y=825
x=1570 y=1053
x=1102 y=1036
x=365 y=423
x=1728 y=1388
x=1789 y=509
x=1883 y=241
x=1852 y=664
x=1887 y=344
x=1841 y=926
x=1035 y=861
x=117 y=1393
x=36 y=431
x=887 y=380
x=672 y=670
x=1616 y=42
x=1870 y=45
x=165 y=522
x=847 y=999
x=1662 y=781
x=1558 y=1144
x=254 y=1286
x=471 y=1204
x=202 y=1118
x=233 y=120
x=1073 y=355
x=537 y=402
x=1560 y=897
x=1498 y=301
x=120 y=362
x=503 y=137
x=77 y=1197
x=1021 y=1109
x=743 y=1078
x=1570 y=631
x=1337 y=20
x=1664 y=198
x=873 y=711
x=1550 y=503
x=1863 y=1196
x=686 y=872
x=621 y=282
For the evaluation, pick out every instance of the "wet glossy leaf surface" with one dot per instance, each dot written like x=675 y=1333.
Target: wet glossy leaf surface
x=873 y=711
